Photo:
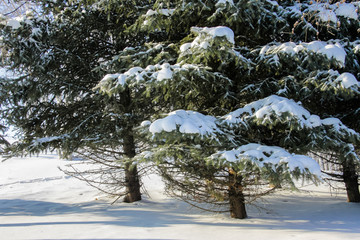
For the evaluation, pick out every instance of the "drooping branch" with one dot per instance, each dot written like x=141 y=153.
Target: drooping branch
x=15 y=10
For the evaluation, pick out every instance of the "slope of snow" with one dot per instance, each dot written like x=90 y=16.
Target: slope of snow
x=39 y=202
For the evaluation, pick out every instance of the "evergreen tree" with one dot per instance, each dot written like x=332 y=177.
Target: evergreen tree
x=56 y=52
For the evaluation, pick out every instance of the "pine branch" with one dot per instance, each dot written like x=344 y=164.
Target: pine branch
x=15 y=10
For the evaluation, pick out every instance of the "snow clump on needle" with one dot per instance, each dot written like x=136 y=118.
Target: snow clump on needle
x=347 y=80
x=224 y=2
x=206 y=36
x=15 y=23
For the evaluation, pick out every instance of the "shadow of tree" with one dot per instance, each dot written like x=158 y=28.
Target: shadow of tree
x=313 y=213
x=288 y=212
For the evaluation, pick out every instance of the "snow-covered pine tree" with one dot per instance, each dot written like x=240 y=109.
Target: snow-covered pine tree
x=56 y=51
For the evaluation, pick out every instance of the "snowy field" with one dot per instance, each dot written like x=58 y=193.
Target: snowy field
x=37 y=201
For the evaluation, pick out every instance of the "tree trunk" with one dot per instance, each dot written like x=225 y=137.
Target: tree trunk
x=236 y=197
x=132 y=180
x=351 y=182
x=132 y=184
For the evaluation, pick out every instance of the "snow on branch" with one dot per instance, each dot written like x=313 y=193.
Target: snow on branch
x=187 y=122
x=273 y=157
x=326 y=12
x=206 y=37
x=267 y=112
x=165 y=12
x=213 y=44
x=274 y=109
x=150 y=14
x=221 y=3
x=345 y=84
x=330 y=50
x=213 y=32
x=116 y=82
x=285 y=110
x=44 y=140
x=162 y=76
x=269 y=107
x=16 y=22
x=347 y=80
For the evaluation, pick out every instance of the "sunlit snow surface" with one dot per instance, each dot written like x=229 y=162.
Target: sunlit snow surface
x=39 y=202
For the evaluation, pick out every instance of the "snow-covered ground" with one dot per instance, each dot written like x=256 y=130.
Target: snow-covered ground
x=38 y=201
